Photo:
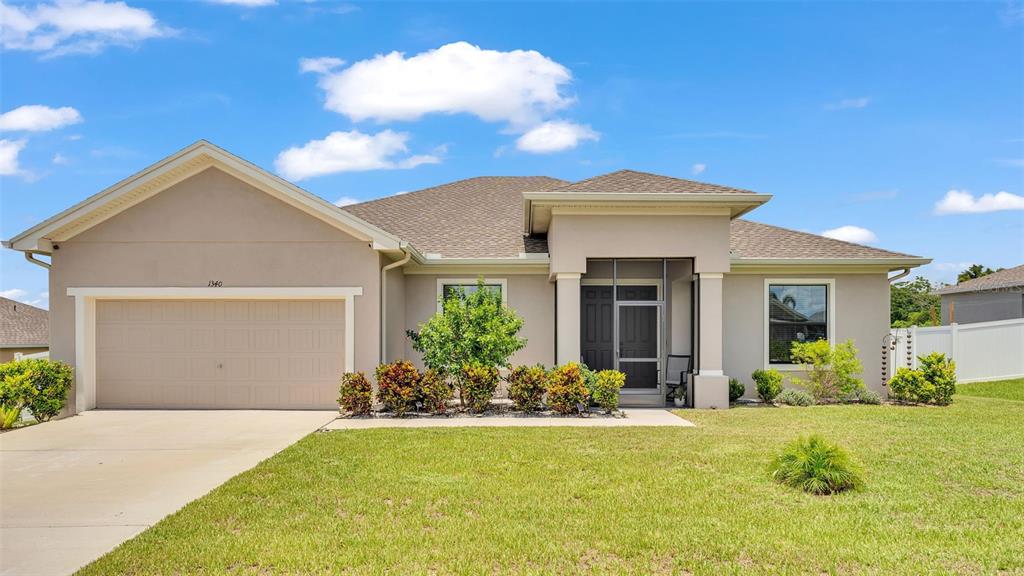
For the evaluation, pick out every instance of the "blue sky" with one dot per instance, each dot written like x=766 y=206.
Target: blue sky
x=905 y=121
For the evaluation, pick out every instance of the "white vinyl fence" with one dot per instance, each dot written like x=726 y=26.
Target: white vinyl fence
x=20 y=356
x=982 y=351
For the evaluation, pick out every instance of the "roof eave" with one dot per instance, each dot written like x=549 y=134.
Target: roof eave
x=896 y=263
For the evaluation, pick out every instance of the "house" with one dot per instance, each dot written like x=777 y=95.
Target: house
x=24 y=329
x=204 y=281
x=996 y=296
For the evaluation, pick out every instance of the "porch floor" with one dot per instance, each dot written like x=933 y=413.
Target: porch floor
x=631 y=417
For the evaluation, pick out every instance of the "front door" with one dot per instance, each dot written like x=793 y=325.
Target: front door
x=597 y=333
x=638 y=314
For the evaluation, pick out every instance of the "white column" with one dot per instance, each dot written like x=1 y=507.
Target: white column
x=711 y=386
x=567 y=318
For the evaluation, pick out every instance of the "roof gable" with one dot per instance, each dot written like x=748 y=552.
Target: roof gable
x=174 y=169
x=634 y=182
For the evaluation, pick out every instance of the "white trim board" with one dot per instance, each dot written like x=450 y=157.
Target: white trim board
x=85 y=318
x=831 y=311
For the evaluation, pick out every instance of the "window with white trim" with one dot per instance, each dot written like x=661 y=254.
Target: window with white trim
x=448 y=287
x=797 y=312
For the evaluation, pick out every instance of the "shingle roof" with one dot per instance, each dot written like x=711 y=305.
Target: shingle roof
x=23 y=325
x=755 y=240
x=1008 y=278
x=483 y=218
x=474 y=218
x=631 y=181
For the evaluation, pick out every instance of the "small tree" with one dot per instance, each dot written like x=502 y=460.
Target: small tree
x=831 y=370
x=474 y=329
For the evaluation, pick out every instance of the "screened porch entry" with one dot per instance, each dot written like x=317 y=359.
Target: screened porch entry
x=637 y=316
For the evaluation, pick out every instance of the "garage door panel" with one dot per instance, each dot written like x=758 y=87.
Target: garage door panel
x=219 y=354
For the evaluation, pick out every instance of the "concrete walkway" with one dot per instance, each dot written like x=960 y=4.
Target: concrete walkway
x=632 y=417
x=73 y=489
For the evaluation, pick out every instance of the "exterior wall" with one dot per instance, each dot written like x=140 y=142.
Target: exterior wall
x=530 y=295
x=395 y=316
x=971 y=307
x=861 y=310
x=7 y=354
x=214 y=227
x=572 y=239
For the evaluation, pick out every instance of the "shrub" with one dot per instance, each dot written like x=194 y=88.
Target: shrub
x=478 y=386
x=909 y=385
x=863 y=396
x=355 y=395
x=526 y=387
x=15 y=393
x=474 y=329
x=396 y=386
x=736 y=389
x=9 y=416
x=769 y=383
x=816 y=466
x=791 y=397
x=567 y=390
x=940 y=372
x=434 y=392
x=44 y=390
x=831 y=370
x=605 y=390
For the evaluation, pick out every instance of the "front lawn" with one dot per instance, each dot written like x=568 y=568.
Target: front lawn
x=945 y=494
x=1006 y=389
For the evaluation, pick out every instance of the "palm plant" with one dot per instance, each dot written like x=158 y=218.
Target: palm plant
x=816 y=466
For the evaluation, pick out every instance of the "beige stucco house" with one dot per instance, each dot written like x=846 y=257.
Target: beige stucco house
x=204 y=281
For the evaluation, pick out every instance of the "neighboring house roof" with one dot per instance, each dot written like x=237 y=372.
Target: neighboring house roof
x=1003 y=279
x=753 y=240
x=23 y=326
x=633 y=182
x=473 y=218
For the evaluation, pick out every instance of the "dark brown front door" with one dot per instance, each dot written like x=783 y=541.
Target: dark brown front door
x=597 y=332
x=638 y=332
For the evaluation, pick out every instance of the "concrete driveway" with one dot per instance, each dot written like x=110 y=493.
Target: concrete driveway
x=74 y=489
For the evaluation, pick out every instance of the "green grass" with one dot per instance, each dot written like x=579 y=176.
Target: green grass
x=944 y=494
x=1006 y=389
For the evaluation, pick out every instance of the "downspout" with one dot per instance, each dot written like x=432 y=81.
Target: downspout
x=903 y=274
x=384 y=299
x=29 y=255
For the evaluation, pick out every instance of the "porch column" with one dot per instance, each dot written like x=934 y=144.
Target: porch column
x=567 y=318
x=711 y=385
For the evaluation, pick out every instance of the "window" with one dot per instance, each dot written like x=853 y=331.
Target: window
x=447 y=287
x=797 y=311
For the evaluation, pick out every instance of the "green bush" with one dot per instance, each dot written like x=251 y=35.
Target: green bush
x=397 y=383
x=15 y=393
x=909 y=385
x=816 y=466
x=43 y=389
x=940 y=371
x=526 y=387
x=474 y=329
x=605 y=389
x=831 y=370
x=567 y=389
x=736 y=389
x=768 y=383
x=478 y=386
x=862 y=396
x=792 y=397
x=434 y=392
x=355 y=395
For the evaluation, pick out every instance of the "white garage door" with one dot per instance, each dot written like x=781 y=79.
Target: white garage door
x=219 y=353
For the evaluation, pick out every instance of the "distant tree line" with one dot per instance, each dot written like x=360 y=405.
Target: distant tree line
x=912 y=303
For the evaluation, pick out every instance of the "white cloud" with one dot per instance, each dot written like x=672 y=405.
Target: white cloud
x=854 y=234
x=349 y=152
x=963 y=202
x=698 y=168
x=849 y=103
x=9 y=150
x=246 y=3
x=13 y=293
x=519 y=86
x=555 y=136
x=76 y=26
x=346 y=201
x=322 y=65
x=60 y=159
x=37 y=118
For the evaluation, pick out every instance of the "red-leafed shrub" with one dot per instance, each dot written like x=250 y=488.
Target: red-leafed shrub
x=526 y=386
x=567 y=389
x=355 y=394
x=397 y=383
x=478 y=386
x=434 y=392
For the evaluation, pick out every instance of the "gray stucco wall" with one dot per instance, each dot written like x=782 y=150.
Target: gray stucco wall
x=973 y=307
x=861 y=309
x=213 y=226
